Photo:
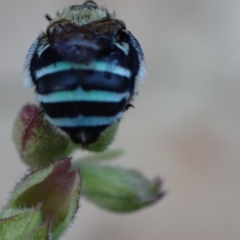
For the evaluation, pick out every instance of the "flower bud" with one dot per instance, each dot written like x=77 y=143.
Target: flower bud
x=37 y=141
x=119 y=189
x=56 y=189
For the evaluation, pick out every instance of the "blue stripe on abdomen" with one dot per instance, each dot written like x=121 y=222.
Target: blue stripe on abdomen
x=84 y=121
x=79 y=95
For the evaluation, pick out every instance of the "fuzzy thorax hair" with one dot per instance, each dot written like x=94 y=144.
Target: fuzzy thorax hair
x=83 y=14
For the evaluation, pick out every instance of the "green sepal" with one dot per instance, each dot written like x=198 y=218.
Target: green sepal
x=17 y=226
x=43 y=232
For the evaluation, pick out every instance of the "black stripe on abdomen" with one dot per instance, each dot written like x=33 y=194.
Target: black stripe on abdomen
x=73 y=109
x=86 y=79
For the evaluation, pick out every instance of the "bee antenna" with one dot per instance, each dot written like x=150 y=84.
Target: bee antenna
x=47 y=16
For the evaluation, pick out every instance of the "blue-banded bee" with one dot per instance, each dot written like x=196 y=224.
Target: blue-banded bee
x=84 y=68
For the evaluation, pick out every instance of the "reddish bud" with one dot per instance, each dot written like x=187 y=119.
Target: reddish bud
x=37 y=141
x=56 y=188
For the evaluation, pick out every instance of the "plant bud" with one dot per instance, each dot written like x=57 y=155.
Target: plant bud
x=37 y=141
x=119 y=189
x=56 y=189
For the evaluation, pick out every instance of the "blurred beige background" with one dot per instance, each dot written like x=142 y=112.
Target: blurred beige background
x=185 y=125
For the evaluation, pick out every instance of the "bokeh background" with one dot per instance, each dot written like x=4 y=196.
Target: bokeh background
x=185 y=126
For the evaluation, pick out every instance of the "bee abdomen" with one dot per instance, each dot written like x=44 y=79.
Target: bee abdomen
x=90 y=97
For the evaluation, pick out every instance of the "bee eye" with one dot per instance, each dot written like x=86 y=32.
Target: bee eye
x=122 y=36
